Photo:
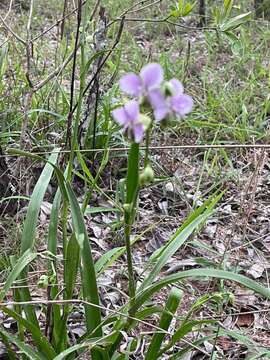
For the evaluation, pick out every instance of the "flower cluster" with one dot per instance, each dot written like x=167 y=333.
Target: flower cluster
x=166 y=99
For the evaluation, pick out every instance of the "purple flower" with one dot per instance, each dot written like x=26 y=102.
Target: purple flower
x=128 y=117
x=175 y=104
x=150 y=77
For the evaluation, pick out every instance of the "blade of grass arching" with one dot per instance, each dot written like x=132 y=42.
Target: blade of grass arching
x=146 y=294
x=265 y=354
x=167 y=315
x=107 y=259
x=58 y=172
x=39 y=339
x=104 y=341
x=184 y=329
x=21 y=263
x=24 y=348
x=189 y=348
x=30 y=224
x=11 y=353
x=92 y=181
x=247 y=341
x=90 y=290
x=148 y=311
x=207 y=205
x=178 y=239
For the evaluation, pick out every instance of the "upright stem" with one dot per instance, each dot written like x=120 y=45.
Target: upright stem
x=132 y=186
x=131 y=280
x=147 y=142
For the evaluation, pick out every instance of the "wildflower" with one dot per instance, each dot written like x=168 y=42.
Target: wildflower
x=176 y=103
x=129 y=117
x=150 y=77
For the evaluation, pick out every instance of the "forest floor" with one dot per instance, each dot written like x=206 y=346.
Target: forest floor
x=229 y=82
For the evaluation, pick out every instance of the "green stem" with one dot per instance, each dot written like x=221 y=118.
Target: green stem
x=132 y=187
x=147 y=143
x=131 y=282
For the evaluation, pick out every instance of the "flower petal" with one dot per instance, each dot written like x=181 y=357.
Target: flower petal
x=152 y=75
x=182 y=104
x=132 y=110
x=176 y=86
x=156 y=98
x=131 y=84
x=120 y=116
x=138 y=132
x=161 y=113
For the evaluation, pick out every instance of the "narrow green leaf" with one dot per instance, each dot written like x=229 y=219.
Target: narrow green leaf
x=90 y=290
x=181 y=235
x=53 y=225
x=104 y=341
x=97 y=210
x=148 y=311
x=30 y=224
x=207 y=205
x=108 y=258
x=235 y=22
x=71 y=266
x=39 y=339
x=11 y=353
x=21 y=263
x=52 y=248
x=24 y=348
x=182 y=331
x=144 y=295
x=181 y=352
x=167 y=315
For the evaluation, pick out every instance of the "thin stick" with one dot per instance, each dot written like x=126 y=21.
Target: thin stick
x=12 y=152
x=118 y=37
x=21 y=40
x=63 y=20
x=9 y=9
x=70 y=115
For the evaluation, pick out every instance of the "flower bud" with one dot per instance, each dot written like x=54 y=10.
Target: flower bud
x=147 y=175
x=127 y=207
x=43 y=281
x=145 y=120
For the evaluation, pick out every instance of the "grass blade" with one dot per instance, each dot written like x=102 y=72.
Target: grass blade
x=21 y=263
x=165 y=320
x=24 y=348
x=30 y=224
x=182 y=234
x=212 y=273
x=39 y=339
x=90 y=290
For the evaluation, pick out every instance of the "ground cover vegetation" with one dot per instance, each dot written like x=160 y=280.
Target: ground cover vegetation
x=134 y=179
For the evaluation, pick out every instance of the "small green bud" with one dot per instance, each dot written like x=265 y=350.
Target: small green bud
x=43 y=281
x=168 y=89
x=147 y=175
x=127 y=207
x=145 y=120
